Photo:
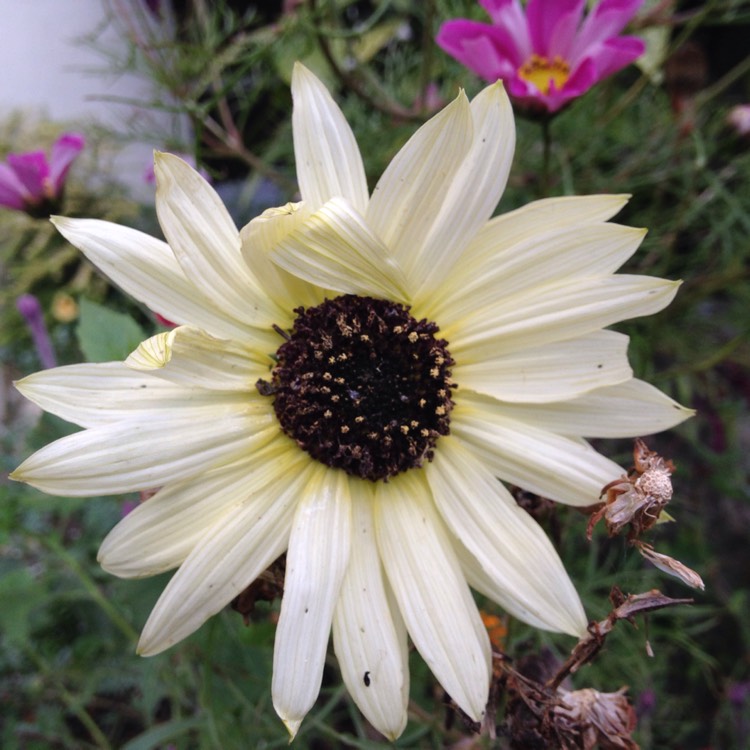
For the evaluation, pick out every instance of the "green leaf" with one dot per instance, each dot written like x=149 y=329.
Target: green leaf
x=105 y=335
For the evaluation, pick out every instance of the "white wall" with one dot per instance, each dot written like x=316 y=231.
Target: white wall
x=46 y=70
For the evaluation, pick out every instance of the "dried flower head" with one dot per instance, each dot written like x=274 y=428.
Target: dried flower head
x=637 y=498
x=591 y=719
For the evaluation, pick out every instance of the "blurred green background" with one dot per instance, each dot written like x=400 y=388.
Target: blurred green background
x=69 y=677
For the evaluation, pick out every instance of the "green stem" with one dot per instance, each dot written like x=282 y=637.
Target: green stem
x=93 y=590
x=72 y=703
x=546 y=156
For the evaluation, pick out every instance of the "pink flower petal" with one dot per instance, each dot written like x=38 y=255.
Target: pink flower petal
x=32 y=170
x=583 y=78
x=487 y=50
x=12 y=191
x=543 y=17
x=509 y=16
x=64 y=151
x=614 y=54
x=604 y=21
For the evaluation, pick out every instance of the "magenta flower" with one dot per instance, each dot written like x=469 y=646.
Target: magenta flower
x=549 y=54
x=29 y=307
x=29 y=182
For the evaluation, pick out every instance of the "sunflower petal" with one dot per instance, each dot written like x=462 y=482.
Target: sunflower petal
x=551 y=372
x=206 y=242
x=188 y=357
x=540 y=461
x=369 y=637
x=506 y=542
x=630 y=409
x=554 y=312
x=328 y=161
x=431 y=591
x=409 y=196
x=587 y=251
x=93 y=395
x=160 y=533
x=147 y=270
x=335 y=249
x=146 y=452
x=474 y=191
x=259 y=237
x=316 y=563
x=232 y=554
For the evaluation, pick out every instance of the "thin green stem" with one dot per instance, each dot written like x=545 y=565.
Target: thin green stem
x=72 y=703
x=546 y=157
x=90 y=586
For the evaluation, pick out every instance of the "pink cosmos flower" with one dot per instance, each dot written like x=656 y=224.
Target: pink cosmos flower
x=548 y=54
x=29 y=182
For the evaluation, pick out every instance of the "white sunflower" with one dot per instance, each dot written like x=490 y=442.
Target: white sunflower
x=351 y=376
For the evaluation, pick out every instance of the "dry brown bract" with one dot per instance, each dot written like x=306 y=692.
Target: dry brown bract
x=596 y=720
x=637 y=498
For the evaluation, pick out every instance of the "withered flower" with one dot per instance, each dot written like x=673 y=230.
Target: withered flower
x=601 y=720
x=637 y=498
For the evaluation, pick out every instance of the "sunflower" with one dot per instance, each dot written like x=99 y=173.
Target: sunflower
x=350 y=376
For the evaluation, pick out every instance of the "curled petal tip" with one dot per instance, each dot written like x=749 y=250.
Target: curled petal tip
x=292 y=726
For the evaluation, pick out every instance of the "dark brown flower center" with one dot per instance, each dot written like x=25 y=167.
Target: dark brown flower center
x=362 y=386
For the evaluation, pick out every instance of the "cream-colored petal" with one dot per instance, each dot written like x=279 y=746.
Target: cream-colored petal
x=93 y=395
x=206 y=242
x=540 y=461
x=335 y=249
x=553 y=312
x=147 y=451
x=161 y=532
x=230 y=556
x=578 y=252
x=187 y=356
x=431 y=591
x=474 y=191
x=540 y=217
x=147 y=270
x=409 y=196
x=630 y=409
x=258 y=238
x=316 y=563
x=369 y=637
x=506 y=542
x=326 y=153
x=551 y=372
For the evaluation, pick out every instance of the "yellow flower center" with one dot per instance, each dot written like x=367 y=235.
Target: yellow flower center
x=541 y=72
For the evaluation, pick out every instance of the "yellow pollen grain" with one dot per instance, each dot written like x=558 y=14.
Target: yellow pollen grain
x=359 y=419
x=398 y=329
x=327 y=413
x=344 y=429
x=327 y=376
x=405 y=429
x=413 y=337
x=440 y=411
x=435 y=372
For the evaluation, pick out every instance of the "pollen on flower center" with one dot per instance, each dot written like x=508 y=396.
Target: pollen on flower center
x=363 y=386
x=542 y=72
